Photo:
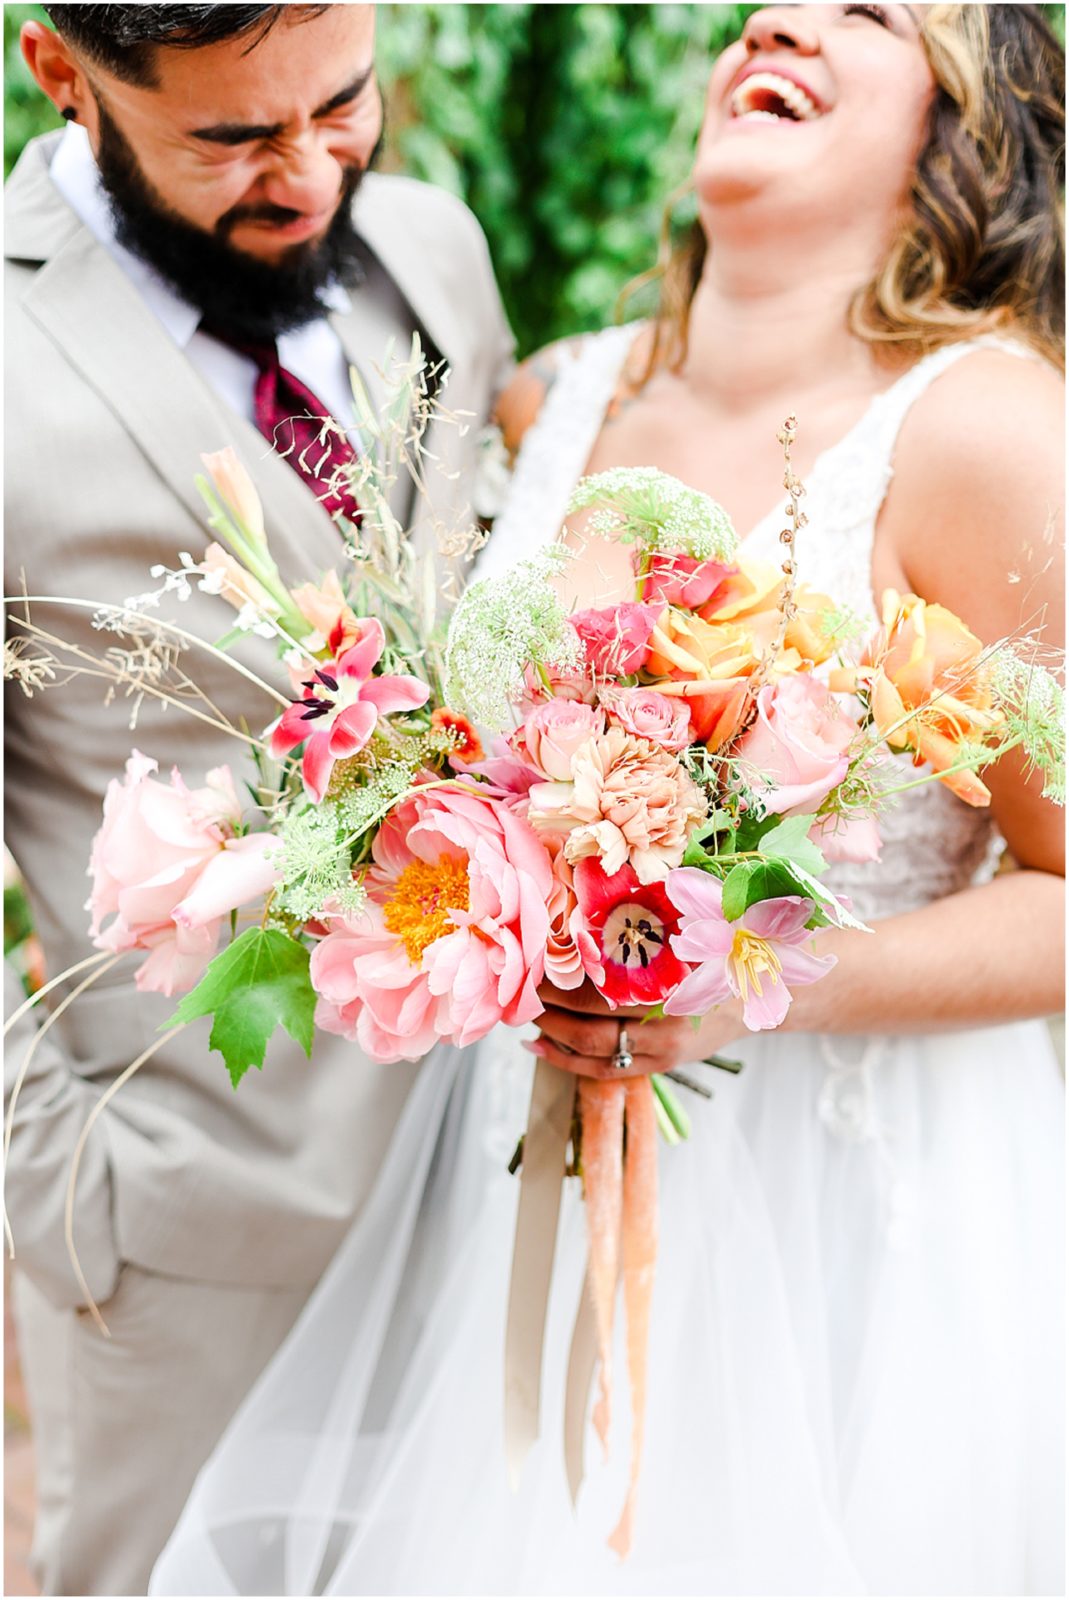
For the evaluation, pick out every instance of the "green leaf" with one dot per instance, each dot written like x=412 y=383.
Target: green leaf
x=255 y=984
x=736 y=888
x=752 y=881
x=695 y=856
x=789 y=840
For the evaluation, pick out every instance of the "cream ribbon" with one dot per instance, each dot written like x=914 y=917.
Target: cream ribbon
x=545 y=1154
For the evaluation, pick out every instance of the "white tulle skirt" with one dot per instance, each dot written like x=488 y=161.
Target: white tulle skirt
x=855 y=1365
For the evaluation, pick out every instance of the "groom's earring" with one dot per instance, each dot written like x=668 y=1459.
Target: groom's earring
x=69 y=114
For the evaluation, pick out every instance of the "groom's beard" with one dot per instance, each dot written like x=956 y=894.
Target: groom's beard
x=248 y=298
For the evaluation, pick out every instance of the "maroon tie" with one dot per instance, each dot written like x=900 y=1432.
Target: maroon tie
x=290 y=416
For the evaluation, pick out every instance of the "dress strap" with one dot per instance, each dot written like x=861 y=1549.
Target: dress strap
x=884 y=420
x=556 y=447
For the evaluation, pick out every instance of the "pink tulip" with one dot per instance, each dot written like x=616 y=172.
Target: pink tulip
x=340 y=707
x=754 y=959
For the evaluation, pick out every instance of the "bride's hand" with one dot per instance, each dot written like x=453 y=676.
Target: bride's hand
x=581 y=1034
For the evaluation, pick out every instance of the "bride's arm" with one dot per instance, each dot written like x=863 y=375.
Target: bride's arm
x=974 y=521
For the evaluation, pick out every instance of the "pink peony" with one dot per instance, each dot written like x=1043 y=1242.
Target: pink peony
x=676 y=580
x=168 y=866
x=631 y=926
x=648 y=714
x=616 y=637
x=628 y=801
x=794 y=755
x=453 y=939
x=552 y=733
x=753 y=959
x=340 y=707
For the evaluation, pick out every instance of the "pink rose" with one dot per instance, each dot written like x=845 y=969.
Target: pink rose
x=553 y=732
x=651 y=715
x=853 y=839
x=168 y=866
x=453 y=938
x=685 y=581
x=794 y=755
x=616 y=637
x=571 y=951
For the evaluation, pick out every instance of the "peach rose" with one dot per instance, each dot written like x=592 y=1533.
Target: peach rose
x=571 y=952
x=648 y=714
x=629 y=802
x=552 y=733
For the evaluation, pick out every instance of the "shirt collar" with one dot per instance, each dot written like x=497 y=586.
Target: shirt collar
x=75 y=174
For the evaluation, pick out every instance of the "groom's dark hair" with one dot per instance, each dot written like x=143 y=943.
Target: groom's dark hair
x=124 y=39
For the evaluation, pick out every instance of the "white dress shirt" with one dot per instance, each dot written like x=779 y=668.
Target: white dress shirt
x=313 y=352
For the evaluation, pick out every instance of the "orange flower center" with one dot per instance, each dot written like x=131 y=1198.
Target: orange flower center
x=418 y=910
x=752 y=958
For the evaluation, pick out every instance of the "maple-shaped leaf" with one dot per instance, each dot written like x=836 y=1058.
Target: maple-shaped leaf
x=257 y=983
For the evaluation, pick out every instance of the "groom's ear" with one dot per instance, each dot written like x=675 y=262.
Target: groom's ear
x=55 y=70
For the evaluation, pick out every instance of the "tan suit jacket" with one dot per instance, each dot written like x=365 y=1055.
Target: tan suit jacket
x=105 y=423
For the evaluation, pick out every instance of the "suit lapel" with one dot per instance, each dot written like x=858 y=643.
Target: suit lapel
x=83 y=301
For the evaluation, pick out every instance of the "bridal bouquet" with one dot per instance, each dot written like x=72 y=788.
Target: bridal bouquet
x=643 y=796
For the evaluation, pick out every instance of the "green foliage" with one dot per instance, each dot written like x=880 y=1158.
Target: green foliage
x=565 y=127
x=256 y=984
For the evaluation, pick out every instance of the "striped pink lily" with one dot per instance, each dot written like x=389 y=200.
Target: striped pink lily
x=340 y=706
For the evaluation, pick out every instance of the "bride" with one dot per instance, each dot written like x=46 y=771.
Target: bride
x=856 y=1349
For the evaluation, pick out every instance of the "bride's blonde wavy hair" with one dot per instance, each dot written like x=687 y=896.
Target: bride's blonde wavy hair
x=982 y=246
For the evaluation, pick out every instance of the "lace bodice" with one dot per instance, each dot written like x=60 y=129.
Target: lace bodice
x=933 y=844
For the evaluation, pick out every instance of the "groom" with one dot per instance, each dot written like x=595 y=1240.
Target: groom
x=201 y=244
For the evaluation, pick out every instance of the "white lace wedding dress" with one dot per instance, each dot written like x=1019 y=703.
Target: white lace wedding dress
x=856 y=1347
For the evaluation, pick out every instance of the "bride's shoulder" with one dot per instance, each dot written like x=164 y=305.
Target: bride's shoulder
x=978 y=486
x=521 y=401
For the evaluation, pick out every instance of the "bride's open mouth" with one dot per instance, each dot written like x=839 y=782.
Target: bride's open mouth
x=768 y=97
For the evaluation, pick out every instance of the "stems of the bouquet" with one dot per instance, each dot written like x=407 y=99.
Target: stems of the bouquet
x=53 y=983
x=103 y=964
x=671 y=1118
x=68 y=1211
x=153 y=622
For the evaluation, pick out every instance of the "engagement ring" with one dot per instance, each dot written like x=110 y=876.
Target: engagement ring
x=623 y=1060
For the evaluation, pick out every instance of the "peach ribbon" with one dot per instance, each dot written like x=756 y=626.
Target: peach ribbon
x=545 y=1151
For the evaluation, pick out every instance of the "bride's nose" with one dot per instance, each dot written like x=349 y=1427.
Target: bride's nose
x=780 y=28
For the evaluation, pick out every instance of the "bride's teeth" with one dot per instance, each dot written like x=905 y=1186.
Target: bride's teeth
x=789 y=94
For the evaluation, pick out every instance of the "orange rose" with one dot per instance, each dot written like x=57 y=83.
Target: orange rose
x=927 y=689
x=753 y=588
x=752 y=602
x=708 y=664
